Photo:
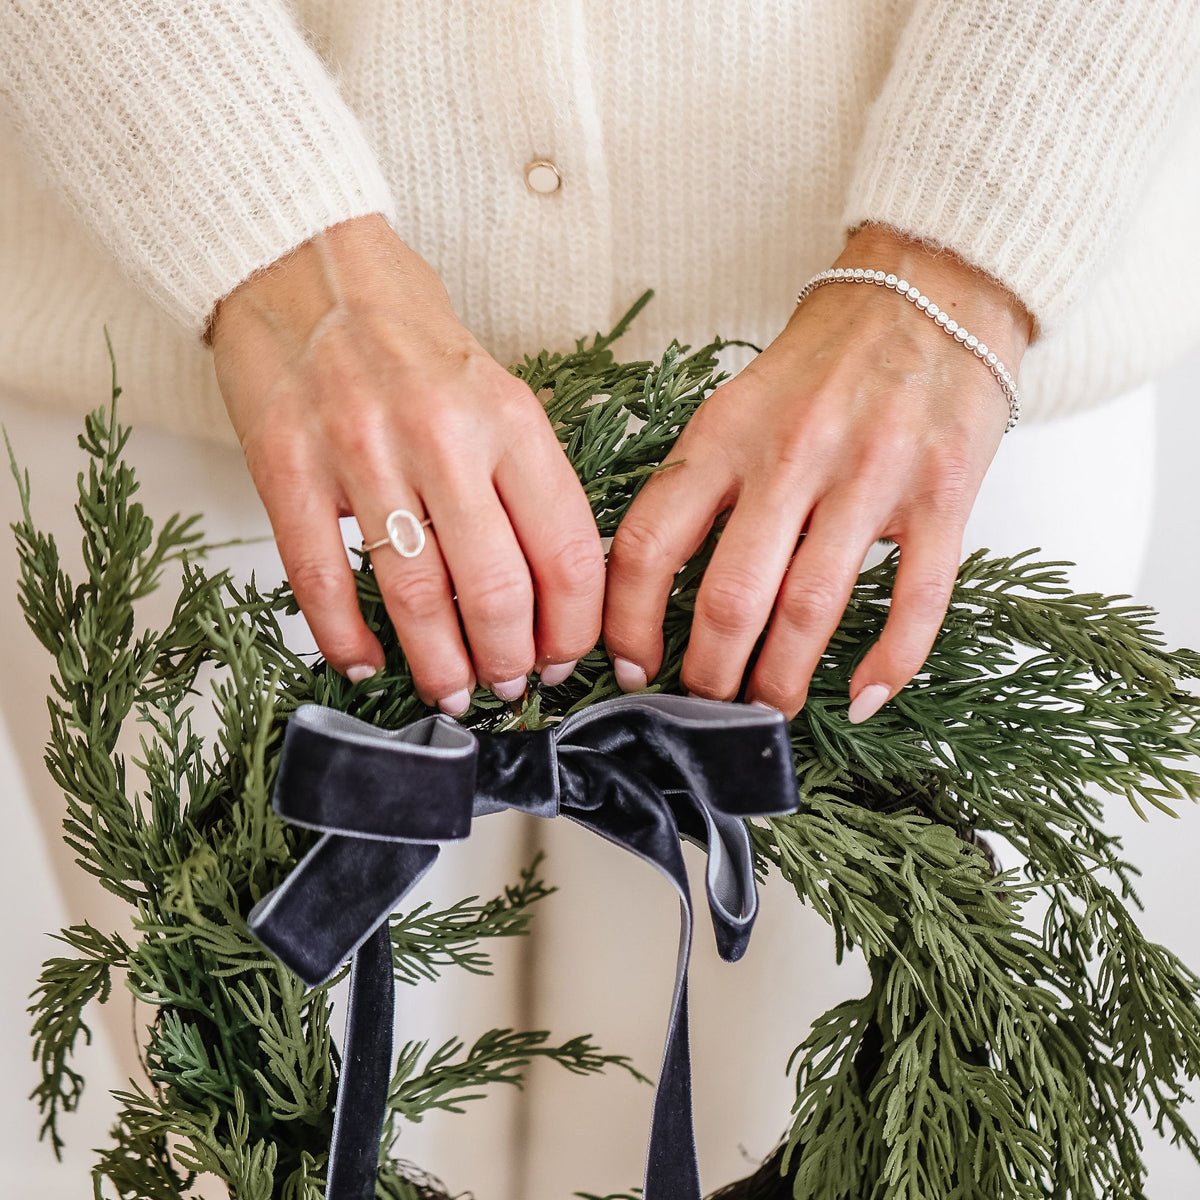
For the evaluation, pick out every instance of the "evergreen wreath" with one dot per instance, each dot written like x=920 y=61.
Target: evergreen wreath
x=987 y=1061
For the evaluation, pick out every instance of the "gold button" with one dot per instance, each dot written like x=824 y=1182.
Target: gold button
x=542 y=176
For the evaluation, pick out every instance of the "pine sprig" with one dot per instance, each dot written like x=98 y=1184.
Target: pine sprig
x=425 y=941
x=992 y=1058
x=448 y=1078
x=65 y=988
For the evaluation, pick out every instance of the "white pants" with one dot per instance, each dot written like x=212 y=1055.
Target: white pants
x=1080 y=488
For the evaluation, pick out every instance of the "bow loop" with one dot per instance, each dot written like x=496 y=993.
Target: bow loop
x=641 y=771
x=736 y=755
x=338 y=774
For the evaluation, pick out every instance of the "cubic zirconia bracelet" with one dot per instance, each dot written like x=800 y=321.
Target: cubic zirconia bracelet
x=931 y=310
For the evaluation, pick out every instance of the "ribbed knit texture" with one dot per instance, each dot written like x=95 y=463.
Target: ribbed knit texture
x=155 y=154
x=198 y=139
x=1019 y=134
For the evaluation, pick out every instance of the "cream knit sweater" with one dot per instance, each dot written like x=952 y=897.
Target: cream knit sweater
x=154 y=153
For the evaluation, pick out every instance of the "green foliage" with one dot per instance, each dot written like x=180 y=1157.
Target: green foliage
x=66 y=987
x=241 y=1068
x=992 y=1058
x=448 y=1078
x=424 y=941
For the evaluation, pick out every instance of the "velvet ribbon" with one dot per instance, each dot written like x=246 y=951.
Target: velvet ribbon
x=642 y=771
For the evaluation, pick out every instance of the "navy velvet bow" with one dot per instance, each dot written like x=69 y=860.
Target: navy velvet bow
x=642 y=771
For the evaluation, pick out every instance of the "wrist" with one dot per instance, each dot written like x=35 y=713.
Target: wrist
x=973 y=297
x=293 y=294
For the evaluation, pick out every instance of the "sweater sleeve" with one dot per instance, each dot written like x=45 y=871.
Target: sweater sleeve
x=1019 y=133
x=198 y=140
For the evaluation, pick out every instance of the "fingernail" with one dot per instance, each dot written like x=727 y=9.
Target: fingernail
x=361 y=671
x=511 y=689
x=552 y=674
x=868 y=702
x=456 y=703
x=630 y=677
x=763 y=704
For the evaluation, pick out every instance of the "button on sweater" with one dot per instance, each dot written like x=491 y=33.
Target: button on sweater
x=553 y=158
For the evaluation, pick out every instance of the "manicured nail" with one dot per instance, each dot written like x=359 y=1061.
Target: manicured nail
x=868 y=702
x=552 y=674
x=456 y=703
x=630 y=677
x=361 y=671
x=511 y=689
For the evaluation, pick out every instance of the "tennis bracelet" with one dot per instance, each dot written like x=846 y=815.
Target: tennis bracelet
x=931 y=310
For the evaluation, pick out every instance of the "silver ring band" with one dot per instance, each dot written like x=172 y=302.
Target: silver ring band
x=405 y=533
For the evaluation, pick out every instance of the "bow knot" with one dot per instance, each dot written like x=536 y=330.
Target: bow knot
x=642 y=771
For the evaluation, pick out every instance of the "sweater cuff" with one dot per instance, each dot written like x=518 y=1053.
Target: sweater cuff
x=199 y=142
x=1019 y=134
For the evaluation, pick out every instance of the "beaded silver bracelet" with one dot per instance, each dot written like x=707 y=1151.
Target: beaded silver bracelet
x=931 y=310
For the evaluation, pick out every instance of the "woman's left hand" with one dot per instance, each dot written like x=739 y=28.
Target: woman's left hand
x=862 y=420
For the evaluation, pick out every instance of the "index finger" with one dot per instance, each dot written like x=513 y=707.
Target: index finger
x=664 y=526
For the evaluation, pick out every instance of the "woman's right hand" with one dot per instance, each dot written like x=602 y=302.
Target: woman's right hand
x=354 y=390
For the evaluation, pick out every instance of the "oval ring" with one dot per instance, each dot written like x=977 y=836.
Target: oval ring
x=400 y=522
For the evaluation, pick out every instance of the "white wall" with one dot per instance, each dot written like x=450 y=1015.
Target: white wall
x=1167 y=851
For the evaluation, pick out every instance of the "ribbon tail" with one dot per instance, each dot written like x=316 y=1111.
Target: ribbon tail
x=366 y=1072
x=639 y=820
x=672 y=1167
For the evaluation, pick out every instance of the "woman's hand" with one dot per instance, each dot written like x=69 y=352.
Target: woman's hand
x=862 y=420
x=355 y=390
